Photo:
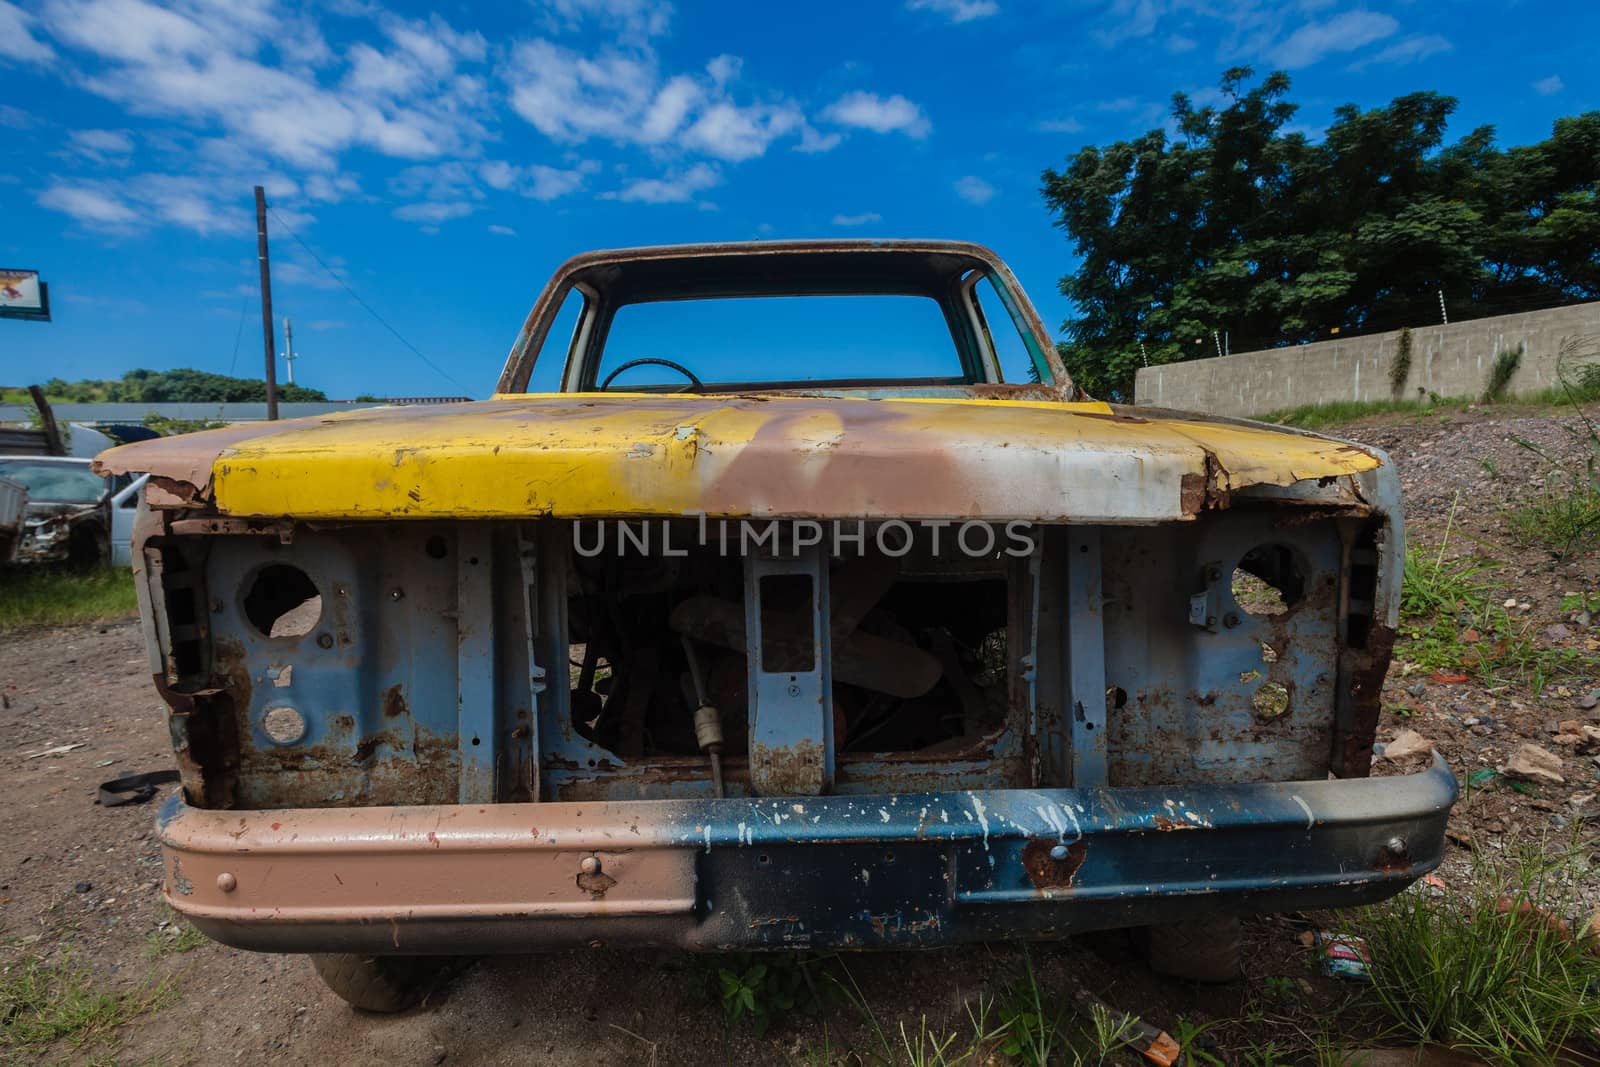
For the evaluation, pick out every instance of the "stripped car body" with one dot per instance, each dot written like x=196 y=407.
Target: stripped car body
x=417 y=710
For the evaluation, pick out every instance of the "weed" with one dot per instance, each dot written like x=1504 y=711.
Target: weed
x=766 y=992
x=1589 y=602
x=41 y=1003
x=173 y=940
x=1187 y=1035
x=49 y=596
x=1281 y=986
x=1505 y=367
x=1032 y=1019
x=1338 y=412
x=1564 y=517
x=1494 y=973
x=1026 y=1025
x=1400 y=368
x=1265 y=1056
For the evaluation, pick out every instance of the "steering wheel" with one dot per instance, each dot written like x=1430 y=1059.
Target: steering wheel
x=697 y=386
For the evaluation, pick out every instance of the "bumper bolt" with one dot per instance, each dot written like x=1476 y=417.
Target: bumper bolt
x=227 y=882
x=1059 y=853
x=590 y=865
x=1395 y=846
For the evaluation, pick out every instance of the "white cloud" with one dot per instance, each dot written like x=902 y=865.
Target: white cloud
x=186 y=200
x=1344 y=32
x=261 y=77
x=503 y=231
x=1120 y=103
x=1061 y=125
x=636 y=19
x=732 y=133
x=103 y=146
x=671 y=106
x=572 y=97
x=16 y=118
x=297 y=275
x=434 y=211
x=536 y=181
x=1178 y=44
x=619 y=95
x=16 y=37
x=869 y=111
x=957 y=10
x=89 y=205
x=1549 y=86
x=678 y=189
x=813 y=141
x=974 y=190
x=866 y=218
x=1409 y=50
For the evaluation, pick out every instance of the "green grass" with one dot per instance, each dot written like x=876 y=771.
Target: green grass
x=48 y=596
x=173 y=940
x=1023 y=1023
x=1564 y=517
x=1460 y=970
x=1338 y=412
x=1451 y=620
x=43 y=1003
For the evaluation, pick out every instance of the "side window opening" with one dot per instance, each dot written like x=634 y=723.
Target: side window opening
x=547 y=369
x=1010 y=348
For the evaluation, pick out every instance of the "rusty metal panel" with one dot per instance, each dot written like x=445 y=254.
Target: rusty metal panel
x=477 y=739
x=1085 y=656
x=790 y=677
x=1187 y=685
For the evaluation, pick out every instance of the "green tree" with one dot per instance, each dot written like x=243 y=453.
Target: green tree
x=181 y=385
x=1229 y=220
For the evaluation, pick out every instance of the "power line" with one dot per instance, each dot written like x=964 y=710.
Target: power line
x=366 y=306
x=238 y=333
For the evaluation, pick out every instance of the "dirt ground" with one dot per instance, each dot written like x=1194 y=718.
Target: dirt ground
x=83 y=882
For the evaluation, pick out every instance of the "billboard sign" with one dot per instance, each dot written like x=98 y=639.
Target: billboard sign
x=23 y=295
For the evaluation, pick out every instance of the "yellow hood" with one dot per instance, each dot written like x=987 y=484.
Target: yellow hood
x=612 y=454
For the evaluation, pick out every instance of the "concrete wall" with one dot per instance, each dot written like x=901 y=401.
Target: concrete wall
x=1450 y=361
x=135 y=413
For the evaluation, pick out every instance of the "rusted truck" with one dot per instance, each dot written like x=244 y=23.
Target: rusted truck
x=759 y=610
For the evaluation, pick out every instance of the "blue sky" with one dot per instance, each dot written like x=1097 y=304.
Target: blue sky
x=443 y=161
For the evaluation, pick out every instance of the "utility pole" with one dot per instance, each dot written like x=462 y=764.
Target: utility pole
x=288 y=348
x=266 y=303
x=1443 y=314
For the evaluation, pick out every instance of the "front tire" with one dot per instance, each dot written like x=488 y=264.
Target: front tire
x=1199 y=950
x=383 y=984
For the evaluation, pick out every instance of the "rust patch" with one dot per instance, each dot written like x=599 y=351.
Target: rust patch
x=793 y=770
x=1166 y=825
x=1366 y=687
x=1048 y=873
x=596 y=884
x=394 y=702
x=1198 y=492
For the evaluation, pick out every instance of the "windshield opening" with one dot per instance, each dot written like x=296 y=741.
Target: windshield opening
x=757 y=339
x=56 y=483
